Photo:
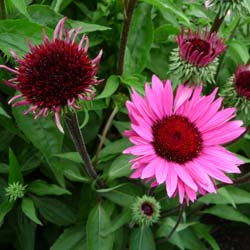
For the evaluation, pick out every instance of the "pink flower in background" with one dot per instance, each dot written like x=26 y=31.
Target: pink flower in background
x=54 y=75
x=199 y=49
x=177 y=139
x=242 y=81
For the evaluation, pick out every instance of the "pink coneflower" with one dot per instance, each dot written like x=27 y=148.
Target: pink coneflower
x=195 y=58
x=199 y=49
x=236 y=92
x=54 y=75
x=177 y=139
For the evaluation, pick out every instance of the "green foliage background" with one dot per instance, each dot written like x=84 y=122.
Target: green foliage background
x=62 y=209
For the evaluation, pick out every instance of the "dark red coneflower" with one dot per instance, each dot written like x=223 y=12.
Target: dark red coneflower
x=54 y=75
x=236 y=92
x=195 y=59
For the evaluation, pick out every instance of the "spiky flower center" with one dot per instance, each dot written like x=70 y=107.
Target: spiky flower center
x=200 y=45
x=242 y=84
x=176 y=139
x=54 y=73
x=147 y=208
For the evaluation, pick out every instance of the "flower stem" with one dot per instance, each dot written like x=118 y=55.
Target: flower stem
x=182 y=209
x=128 y=16
x=104 y=134
x=72 y=123
x=218 y=21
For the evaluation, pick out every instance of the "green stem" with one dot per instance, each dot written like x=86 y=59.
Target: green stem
x=72 y=123
x=182 y=209
x=128 y=16
x=104 y=134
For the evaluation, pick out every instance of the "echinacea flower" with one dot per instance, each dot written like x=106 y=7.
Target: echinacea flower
x=178 y=139
x=146 y=210
x=226 y=7
x=54 y=75
x=236 y=92
x=195 y=59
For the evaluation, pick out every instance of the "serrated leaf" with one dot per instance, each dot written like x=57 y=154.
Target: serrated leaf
x=14 y=169
x=41 y=187
x=70 y=238
x=97 y=224
x=142 y=239
x=120 y=167
x=29 y=210
x=110 y=87
x=55 y=211
x=228 y=213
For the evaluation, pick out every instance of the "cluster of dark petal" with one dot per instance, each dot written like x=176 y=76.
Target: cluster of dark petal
x=199 y=49
x=54 y=75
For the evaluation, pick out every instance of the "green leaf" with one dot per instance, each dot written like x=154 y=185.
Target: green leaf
x=238 y=196
x=142 y=239
x=70 y=238
x=5 y=207
x=87 y=27
x=119 y=221
x=110 y=87
x=203 y=231
x=228 y=213
x=55 y=211
x=3 y=112
x=168 y=6
x=75 y=175
x=18 y=30
x=14 y=169
x=120 y=167
x=123 y=196
x=72 y=156
x=170 y=222
x=141 y=32
x=43 y=15
x=21 y=6
x=97 y=224
x=45 y=136
x=240 y=50
x=41 y=187
x=113 y=149
x=29 y=210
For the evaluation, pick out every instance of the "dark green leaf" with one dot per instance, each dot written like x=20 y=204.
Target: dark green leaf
x=29 y=210
x=5 y=207
x=120 y=167
x=55 y=211
x=142 y=239
x=228 y=213
x=110 y=87
x=70 y=238
x=141 y=32
x=14 y=169
x=41 y=187
x=97 y=224
x=21 y=6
